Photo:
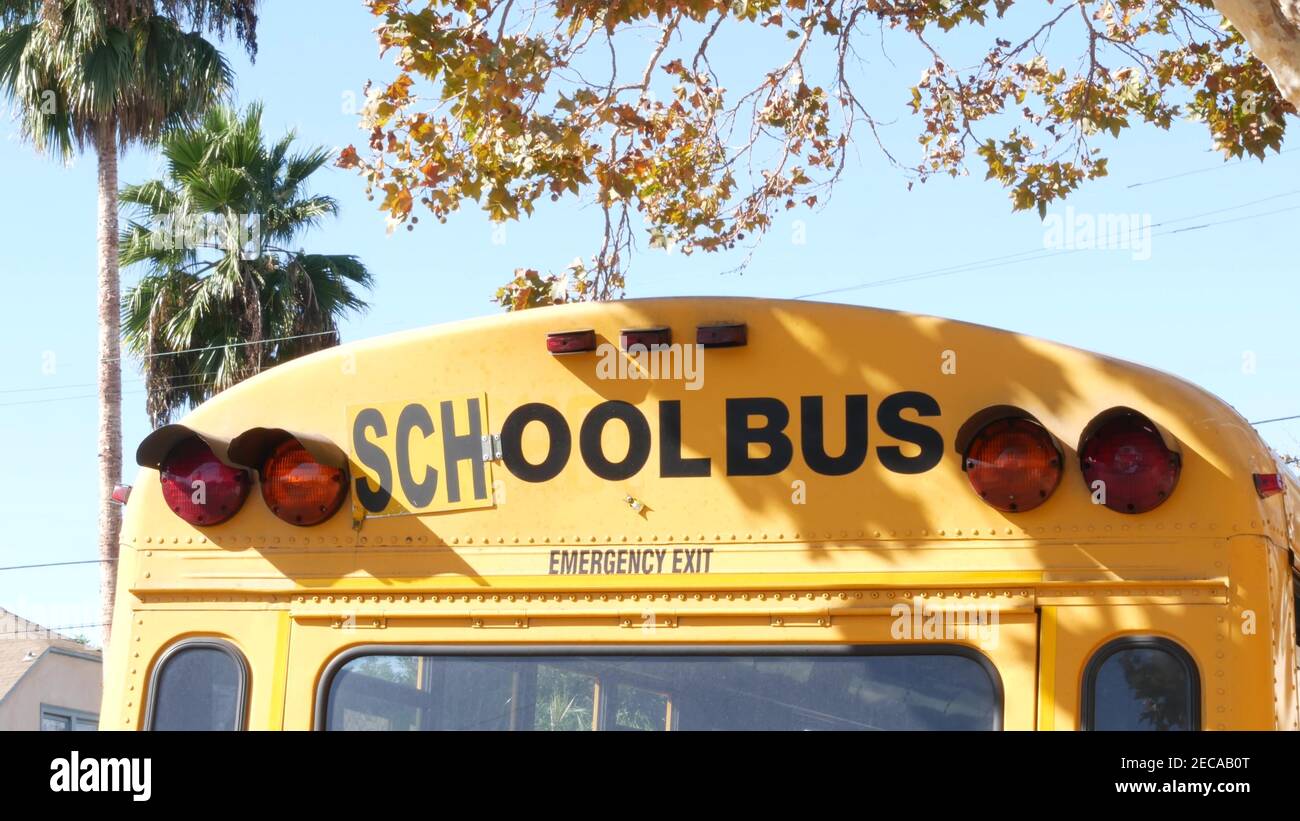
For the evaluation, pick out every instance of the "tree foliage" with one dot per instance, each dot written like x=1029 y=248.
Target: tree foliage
x=216 y=240
x=503 y=104
x=114 y=72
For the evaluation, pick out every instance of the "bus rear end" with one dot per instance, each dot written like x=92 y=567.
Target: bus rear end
x=706 y=514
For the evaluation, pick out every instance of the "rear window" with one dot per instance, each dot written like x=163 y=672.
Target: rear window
x=940 y=690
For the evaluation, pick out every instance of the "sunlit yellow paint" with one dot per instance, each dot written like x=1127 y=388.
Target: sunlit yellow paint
x=796 y=557
x=1047 y=669
x=275 y=719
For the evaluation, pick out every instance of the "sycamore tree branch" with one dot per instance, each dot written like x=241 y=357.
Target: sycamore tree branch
x=698 y=167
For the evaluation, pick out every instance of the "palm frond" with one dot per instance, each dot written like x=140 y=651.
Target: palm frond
x=214 y=297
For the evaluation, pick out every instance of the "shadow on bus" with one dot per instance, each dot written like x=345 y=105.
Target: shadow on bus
x=876 y=480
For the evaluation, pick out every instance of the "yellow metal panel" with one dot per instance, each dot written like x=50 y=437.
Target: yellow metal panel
x=737 y=558
x=315 y=643
x=1047 y=669
x=275 y=719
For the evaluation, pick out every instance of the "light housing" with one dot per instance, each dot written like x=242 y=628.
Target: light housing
x=562 y=342
x=1013 y=463
x=1269 y=484
x=297 y=488
x=722 y=335
x=199 y=487
x=1129 y=455
x=304 y=475
x=645 y=337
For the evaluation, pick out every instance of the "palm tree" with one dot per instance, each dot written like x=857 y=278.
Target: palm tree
x=99 y=75
x=224 y=295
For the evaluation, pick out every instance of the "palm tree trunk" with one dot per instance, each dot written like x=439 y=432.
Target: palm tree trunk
x=110 y=376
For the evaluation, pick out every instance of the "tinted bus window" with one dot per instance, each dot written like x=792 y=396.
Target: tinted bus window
x=664 y=692
x=199 y=687
x=1141 y=684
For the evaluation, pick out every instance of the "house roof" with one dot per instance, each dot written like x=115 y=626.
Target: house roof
x=23 y=642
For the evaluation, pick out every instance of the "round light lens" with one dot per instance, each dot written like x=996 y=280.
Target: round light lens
x=1129 y=457
x=298 y=489
x=1013 y=464
x=199 y=487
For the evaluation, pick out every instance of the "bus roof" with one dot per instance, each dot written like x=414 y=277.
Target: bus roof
x=657 y=453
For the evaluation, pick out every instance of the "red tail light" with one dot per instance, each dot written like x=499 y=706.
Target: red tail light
x=298 y=489
x=1129 y=457
x=571 y=341
x=1013 y=464
x=199 y=487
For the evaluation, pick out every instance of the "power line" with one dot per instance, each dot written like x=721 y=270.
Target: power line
x=68 y=387
x=1198 y=171
x=56 y=564
x=96 y=384
x=233 y=344
x=1278 y=419
x=1040 y=253
x=52 y=629
x=229 y=345
x=91 y=396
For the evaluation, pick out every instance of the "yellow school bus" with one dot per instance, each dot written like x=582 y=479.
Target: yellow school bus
x=680 y=514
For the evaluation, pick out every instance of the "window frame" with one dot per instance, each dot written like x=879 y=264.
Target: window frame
x=1088 y=686
x=210 y=642
x=72 y=714
x=1295 y=609
x=320 y=708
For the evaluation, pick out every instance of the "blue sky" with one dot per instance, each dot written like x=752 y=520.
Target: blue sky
x=1203 y=301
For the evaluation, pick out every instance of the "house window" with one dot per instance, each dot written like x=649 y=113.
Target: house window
x=64 y=719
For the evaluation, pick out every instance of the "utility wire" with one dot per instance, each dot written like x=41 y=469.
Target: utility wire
x=91 y=396
x=1040 y=253
x=1278 y=419
x=52 y=629
x=96 y=384
x=229 y=345
x=1198 y=171
x=55 y=564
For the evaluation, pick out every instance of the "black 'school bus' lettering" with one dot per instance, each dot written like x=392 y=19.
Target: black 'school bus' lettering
x=456 y=448
x=373 y=457
x=929 y=440
x=412 y=418
x=671 y=463
x=740 y=435
x=812 y=437
x=512 y=447
x=638 y=440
